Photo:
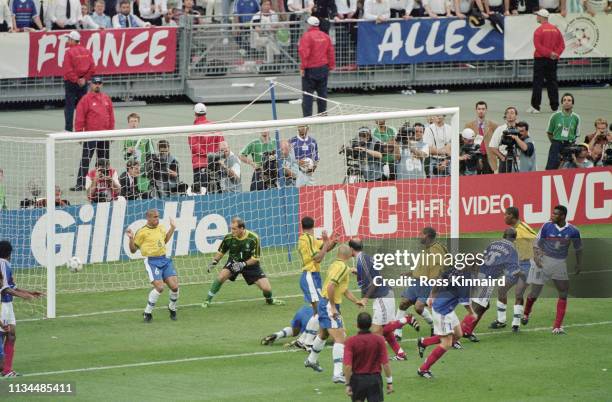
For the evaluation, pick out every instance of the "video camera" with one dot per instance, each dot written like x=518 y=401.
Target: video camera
x=405 y=135
x=606 y=156
x=568 y=149
x=507 y=134
x=269 y=169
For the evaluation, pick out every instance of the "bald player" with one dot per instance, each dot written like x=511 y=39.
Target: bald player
x=151 y=240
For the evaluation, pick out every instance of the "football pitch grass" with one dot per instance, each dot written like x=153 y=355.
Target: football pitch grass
x=101 y=345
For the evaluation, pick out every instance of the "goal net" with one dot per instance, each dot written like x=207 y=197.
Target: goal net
x=358 y=172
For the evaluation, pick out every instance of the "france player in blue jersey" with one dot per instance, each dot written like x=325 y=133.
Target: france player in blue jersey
x=551 y=251
x=8 y=290
x=298 y=327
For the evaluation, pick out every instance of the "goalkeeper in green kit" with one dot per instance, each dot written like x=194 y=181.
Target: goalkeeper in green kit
x=244 y=251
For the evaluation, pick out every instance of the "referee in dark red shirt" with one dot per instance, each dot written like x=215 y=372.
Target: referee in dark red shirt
x=364 y=354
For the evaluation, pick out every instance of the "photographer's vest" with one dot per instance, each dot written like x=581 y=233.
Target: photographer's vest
x=526 y=163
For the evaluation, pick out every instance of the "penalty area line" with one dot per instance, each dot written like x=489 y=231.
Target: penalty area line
x=264 y=353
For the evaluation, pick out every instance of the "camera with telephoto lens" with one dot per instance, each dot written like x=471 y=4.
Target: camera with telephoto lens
x=269 y=169
x=606 y=156
x=215 y=172
x=352 y=157
x=507 y=134
x=568 y=149
x=405 y=135
x=472 y=150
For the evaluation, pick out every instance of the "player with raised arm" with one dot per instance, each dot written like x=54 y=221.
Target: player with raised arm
x=551 y=250
x=151 y=240
x=334 y=289
x=383 y=300
x=8 y=290
x=299 y=325
x=525 y=238
x=244 y=251
x=312 y=251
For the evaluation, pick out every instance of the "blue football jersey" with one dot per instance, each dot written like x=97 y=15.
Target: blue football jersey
x=500 y=257
x=301 y=318
x=366 y=274
x=555 y=241
x=447 y=297
x=7 y=280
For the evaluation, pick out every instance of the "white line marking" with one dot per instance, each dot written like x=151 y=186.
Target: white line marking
x=272 y=352
x=27 y=129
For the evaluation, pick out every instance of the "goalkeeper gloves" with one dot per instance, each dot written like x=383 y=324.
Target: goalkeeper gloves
x=212 y=264
x=237 y=267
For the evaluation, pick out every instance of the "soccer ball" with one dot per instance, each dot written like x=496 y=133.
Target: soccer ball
x=307 y=166
x=74 y=264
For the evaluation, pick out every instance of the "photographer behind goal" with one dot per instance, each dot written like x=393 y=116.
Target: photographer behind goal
x=470 y=157
x=512 y=146
x=223 y=171
x=364 y=156
x=412 y=152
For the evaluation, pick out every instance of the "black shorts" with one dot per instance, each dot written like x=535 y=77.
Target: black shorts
x=367 y=387
x=251 y=274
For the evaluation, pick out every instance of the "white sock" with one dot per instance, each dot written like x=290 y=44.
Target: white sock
x=427 y=316
x=284 y=333
x=312 y=329
x=173 y=299
x=302 y=338
x=338 y=355
x=153 y=296
x=317 y=347
x=400 y=314
x=501 y=312
x=518 y=314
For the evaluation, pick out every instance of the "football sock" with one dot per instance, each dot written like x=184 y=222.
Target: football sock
x=561 y=306
x=173 y=299
x=312 y=329
x=427 y=316
x=9 y=352
x=392 y=326
x=268 y=297
x=284 y=333
x=214 y=289
x=432 y=358
x=400 y=314
x=501 y=312
x=467 y=324
x=317 y=347
x=529 y=305
x=338 y=355
x=302 y=338
x=432 y=340
x=518 y=314
x=390 y=338
x=153 y=296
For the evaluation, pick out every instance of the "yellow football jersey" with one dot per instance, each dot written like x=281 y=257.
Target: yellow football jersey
x=338 y=274
x=151 y=241
x=308 y=246
x=525 y=237
x=433 y=264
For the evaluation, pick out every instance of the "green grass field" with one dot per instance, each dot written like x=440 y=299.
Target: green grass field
x=215 y=355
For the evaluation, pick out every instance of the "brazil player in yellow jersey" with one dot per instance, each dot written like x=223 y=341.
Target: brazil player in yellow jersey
x=244 y=251
x=336 y=286
x=525 y=240
x=151 y=240
x=312 y=251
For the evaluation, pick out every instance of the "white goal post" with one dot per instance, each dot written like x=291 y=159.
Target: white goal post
x=331 y=131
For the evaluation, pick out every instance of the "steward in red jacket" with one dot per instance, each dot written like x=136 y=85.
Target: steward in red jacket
x=201 y=145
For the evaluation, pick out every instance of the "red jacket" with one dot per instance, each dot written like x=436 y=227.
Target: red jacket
x=316 y=50
x=94 y=112
x=547 y=38
x=78 y=63
x=202 y=145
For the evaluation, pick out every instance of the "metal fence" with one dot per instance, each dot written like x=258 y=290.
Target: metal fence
x=233 y=51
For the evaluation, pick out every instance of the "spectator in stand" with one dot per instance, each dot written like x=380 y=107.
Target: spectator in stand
x=79 y=67
x=398 y=9
x=461 y=8
x=317 y=56
x=43 y=10
x=111 y=7
x=437 y=8
x=125 y=19
x=580 y=159
x=2 y=191
x=140 y=150
x=201 y=146
x=484 y=128
x=98 y=17
x=306 y=152
x=230 y=170
x=599 y=140
x=549 y=46
x=554 y=6
x=129 y=182
x=263 y=31
x=257 y=154
x=65 y=14
x=188 y=12
x=153 y=11
x=324 y=10
x=59 y=202
x=25 y=17
x=497 y=6
x=438 y=137
x=563 y=130
x=300 y=10
x=289 y=164
x=411 y=152
x=102 y=183
x=213 y=7
x=6 y=17
x=94 y=113
x=386 y=136
x=496 y=146
x=86 y=22
x=163 y=171
x=414 y=8
x=33 y=190
x=376 y=10
x=592 y=7
x=170 y=18
x=243 y=14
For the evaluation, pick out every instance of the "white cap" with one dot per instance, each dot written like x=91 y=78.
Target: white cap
x=314 y=21
x=468 y=134
x=542 y=12
x=74 y=35
x=199 y=108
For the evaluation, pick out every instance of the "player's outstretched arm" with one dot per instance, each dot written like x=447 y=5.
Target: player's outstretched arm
x=170 y=230
x=215 y=260
x=349 y=295
x=130 y=235
x=24 y=294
